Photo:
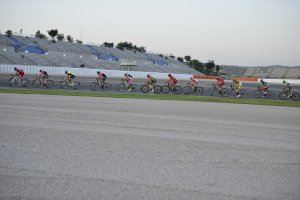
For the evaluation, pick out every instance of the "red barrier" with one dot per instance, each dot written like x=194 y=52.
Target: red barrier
x=242 y=79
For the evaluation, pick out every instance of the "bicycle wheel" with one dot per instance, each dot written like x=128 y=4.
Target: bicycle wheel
x=76 y=85
x=177 y=90
x=121 y=87
x=36 y=83
x=134 y=87
x=296 y=96
x=283 y=96
x=187 y=90
x=107 y=86
x=63 y=84
x=270 y=95
x=212 y=91
x=11 y=82
x=231 y=93
x=257 y=94
x=199 y=90
x=157 y=89
x=25 y=82
x=94 y=86
x=243 y=93
x=49 y=84
x=145 y=89
x=165 y=89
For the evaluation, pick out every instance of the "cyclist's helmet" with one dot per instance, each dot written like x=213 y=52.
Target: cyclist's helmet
x=148 y=75
x=169 y=75
x=125 y=74
x=15 y=69
x=284 y=81
x=98 y=72
x=40 y=70
x=261 y=80
x=66 y=72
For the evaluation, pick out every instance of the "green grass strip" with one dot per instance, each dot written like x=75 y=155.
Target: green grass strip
x=154 y=97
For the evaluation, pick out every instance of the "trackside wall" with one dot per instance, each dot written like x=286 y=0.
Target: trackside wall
x=8 y=69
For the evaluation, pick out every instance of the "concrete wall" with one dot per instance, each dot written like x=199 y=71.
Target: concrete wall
x=9 y=69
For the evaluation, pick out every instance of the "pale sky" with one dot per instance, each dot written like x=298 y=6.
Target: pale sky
x=232 y=32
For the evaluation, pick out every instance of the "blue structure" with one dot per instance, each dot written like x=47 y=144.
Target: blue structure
x=31 y=49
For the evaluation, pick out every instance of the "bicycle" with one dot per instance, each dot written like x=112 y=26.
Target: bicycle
x=37 y=82
x=124 y=86
x=259 y=93
x=292 y=94
x=65 y=83
x=167 y=88
x=15 y=81
x=213 y=91
x=96 y=85
x=146 y=88
x=232 y=92
x=192 y=89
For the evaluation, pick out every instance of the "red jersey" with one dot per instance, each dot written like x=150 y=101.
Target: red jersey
x=20 y=72
x=173 y=79
x=220 y=81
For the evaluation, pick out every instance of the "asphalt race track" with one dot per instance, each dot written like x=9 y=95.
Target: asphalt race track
x=86 y=81
x=57 y=147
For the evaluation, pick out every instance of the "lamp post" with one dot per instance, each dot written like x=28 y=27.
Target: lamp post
x=22 y=58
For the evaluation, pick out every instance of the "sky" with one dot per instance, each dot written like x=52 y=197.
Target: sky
x=230 y=32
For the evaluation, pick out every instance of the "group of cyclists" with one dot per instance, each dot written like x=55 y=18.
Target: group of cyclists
x=151 y=81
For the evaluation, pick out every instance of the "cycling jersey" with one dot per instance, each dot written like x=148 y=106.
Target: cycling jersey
x=130 y=76
x=20 y=72
x=71 y=75
x=173 y=79
x=152 y=80
x=220 y=81
x=238 y=84
x=102 y=75
x=263 y=84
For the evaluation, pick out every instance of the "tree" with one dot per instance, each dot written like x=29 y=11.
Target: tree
x=210 y=65
x=109 y=45
x=196 y=64
x=120 y=46
x=180 y=59
x=8 y=33
x=70 y=39
x=187 y=58
x=79 y=41
x=53 y=33
x=60 y=37
x=40 y=35
x=218 y=68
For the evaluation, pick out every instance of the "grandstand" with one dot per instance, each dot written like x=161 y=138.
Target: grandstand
x=33 y=51
x=263 y=72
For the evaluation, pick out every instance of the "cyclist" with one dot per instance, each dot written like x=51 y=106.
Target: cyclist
x=287 y=88
x=263 y=86
x=19 y=73
x=171 y=81
x=193 y=82
x=151 y=82
x=237 y=86
x=219 y=83
x=70 y=78
x=129 y=79
x=101 y=77
x=43 y=75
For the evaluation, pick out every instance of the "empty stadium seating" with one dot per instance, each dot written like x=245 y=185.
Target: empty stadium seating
x=44 y=52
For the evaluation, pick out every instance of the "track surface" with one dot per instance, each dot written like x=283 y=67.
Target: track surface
x=86 y=81
x=57 y=147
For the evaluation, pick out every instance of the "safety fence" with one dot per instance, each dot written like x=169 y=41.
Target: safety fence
x=87 y=72
x=8 y=69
